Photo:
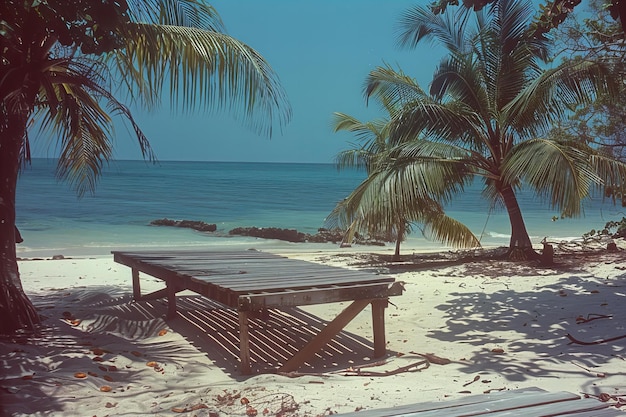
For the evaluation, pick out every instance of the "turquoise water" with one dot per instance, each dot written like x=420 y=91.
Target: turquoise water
x=53 y=220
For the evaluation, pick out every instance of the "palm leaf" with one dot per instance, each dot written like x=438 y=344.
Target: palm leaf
x=202 y=69
x=557 y=171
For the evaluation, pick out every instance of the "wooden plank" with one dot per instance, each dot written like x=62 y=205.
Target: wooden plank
x=324 y=336
x=378 y=326
x=136 y=285
x=316 y=296
x=548 y=410
x=512 y=407
x=606 y=412
x=244 y=343
x=448 y=407
x=171 y=299
x=254 y=280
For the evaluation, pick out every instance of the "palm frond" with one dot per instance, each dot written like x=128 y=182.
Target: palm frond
x=189 y=13
x=442 y=228
x=550 y=96
x=204 y=69
x=70 y=108
x=558 y=171
x=420 y=23
x=392 y=87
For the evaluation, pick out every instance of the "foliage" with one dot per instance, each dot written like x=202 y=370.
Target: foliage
x=371 y=207
x=600 y=123
x=553 y=12
x=66 y=63
x=615 y=229
x=490 y=104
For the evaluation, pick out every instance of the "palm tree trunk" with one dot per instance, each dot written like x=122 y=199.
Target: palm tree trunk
x=396 y=254
x=520 y=246
x=399 y=237
x=16 y=310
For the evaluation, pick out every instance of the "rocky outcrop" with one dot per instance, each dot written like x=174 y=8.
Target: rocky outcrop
x=290 y=235
x=190 y=224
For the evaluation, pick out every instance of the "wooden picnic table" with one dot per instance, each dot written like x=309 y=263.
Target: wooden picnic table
x=526 y=402
x=251 y=280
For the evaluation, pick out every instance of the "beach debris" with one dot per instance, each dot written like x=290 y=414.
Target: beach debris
x=476 y=378
x=590 y=317
x=187 y=409
x=97 y=351
x=359 y=370
x=620 y=399
x=573 y=340
x=598 y=374
x=490 y=390
x=432 y=358
x=70 y=319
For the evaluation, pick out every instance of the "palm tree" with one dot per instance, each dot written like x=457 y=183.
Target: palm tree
x=372 y=207
x=490 y=101
x=60 y=63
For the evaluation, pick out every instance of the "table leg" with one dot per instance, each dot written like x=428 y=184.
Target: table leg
x=325 y=335
x=171 y=299
x=244 y=343
x=378 y=326
x=136 y=286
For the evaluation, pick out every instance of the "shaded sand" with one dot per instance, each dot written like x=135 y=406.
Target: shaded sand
x=463 y=326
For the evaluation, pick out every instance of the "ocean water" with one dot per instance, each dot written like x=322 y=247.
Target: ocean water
x=130 y=194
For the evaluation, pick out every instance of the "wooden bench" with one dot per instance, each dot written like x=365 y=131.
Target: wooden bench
x=529 y=402
x=251 y=281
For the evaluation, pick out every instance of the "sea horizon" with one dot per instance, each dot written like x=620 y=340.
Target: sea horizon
x=132 y=193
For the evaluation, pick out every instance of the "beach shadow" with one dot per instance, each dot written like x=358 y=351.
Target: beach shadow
x=587 y=308
x=213 y=329
x=110 y=344
x=209 y=327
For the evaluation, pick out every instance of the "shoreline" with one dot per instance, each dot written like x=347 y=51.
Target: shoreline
x=493 y=325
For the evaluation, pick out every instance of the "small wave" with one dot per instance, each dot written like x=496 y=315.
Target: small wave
x=499 y=235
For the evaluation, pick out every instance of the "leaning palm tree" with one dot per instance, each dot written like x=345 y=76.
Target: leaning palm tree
x=372 y=207
x=62 y=63
x=490 y=102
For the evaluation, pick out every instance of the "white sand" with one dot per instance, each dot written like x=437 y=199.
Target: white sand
x=501 y=325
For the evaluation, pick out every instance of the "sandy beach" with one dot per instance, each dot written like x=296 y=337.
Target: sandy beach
x=463 y=326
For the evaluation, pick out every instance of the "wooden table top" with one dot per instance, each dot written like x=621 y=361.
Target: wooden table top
x=237 y=273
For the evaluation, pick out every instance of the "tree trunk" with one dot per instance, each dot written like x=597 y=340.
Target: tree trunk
x=396 y=254
x=520 y=246
x=399 y=238
x=16 y=310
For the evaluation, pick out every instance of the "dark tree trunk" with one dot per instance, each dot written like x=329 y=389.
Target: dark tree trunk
x=520 y=246
x=16 y=310
x=399 y=238
x=396 y=254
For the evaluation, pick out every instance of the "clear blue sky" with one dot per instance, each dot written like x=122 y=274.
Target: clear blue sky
x=322 y=51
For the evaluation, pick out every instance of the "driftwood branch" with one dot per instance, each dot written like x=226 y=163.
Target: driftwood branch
x=595 y=342
x=358 y=371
